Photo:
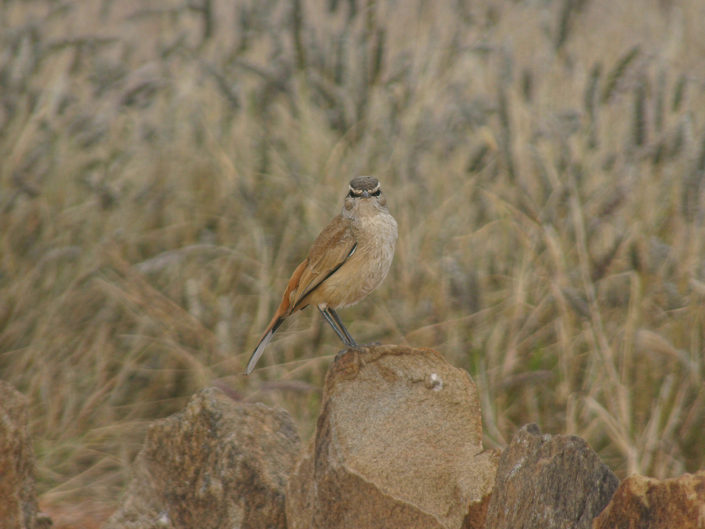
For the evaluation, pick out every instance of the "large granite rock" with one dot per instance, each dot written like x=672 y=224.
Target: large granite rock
x=218 y=464
x=647 y=503
x=547 y=482
x=18 y=501
x=398 y=444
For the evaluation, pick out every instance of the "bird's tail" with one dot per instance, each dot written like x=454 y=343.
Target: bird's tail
x=273 y=326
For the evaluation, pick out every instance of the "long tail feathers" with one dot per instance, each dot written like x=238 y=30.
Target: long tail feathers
x=262 y=344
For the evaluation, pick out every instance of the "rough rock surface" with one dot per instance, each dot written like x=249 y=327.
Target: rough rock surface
x=647 y=503
x=18 y=501
x=398 y=444
x=217 y=464
x=477 y=514
x=547 y=482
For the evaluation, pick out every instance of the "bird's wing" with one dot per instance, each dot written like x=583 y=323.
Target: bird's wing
x=333 y=246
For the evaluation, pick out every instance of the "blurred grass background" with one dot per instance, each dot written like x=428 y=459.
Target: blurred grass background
x=166 y=164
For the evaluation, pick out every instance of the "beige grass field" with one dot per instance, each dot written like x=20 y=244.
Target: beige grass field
x=164 y=166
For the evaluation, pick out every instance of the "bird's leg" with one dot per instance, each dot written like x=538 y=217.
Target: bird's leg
x=330 y=321
x=342 y=334
x=351 y=340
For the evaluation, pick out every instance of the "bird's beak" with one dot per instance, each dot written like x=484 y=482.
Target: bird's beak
x=366 y=194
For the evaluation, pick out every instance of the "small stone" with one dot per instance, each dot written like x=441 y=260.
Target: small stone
x=642 y=502
x=548 y=482
x=217 y=464
x=18 y=500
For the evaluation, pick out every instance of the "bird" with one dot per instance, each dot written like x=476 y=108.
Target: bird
x=348 y=260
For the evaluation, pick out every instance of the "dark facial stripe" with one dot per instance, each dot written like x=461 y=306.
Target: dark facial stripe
x=357 y=193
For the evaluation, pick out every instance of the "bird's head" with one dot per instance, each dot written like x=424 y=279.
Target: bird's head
x=364 y=192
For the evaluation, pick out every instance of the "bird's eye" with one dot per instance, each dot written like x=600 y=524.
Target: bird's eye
x=377 y=193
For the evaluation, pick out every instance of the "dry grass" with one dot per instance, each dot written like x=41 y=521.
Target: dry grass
x=165 y=166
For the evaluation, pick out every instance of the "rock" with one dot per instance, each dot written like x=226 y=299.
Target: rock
x=398 y=444
x=546 y=482
x=647 y=503
x=18 y=500
x=477 y=514
x=217 y=464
